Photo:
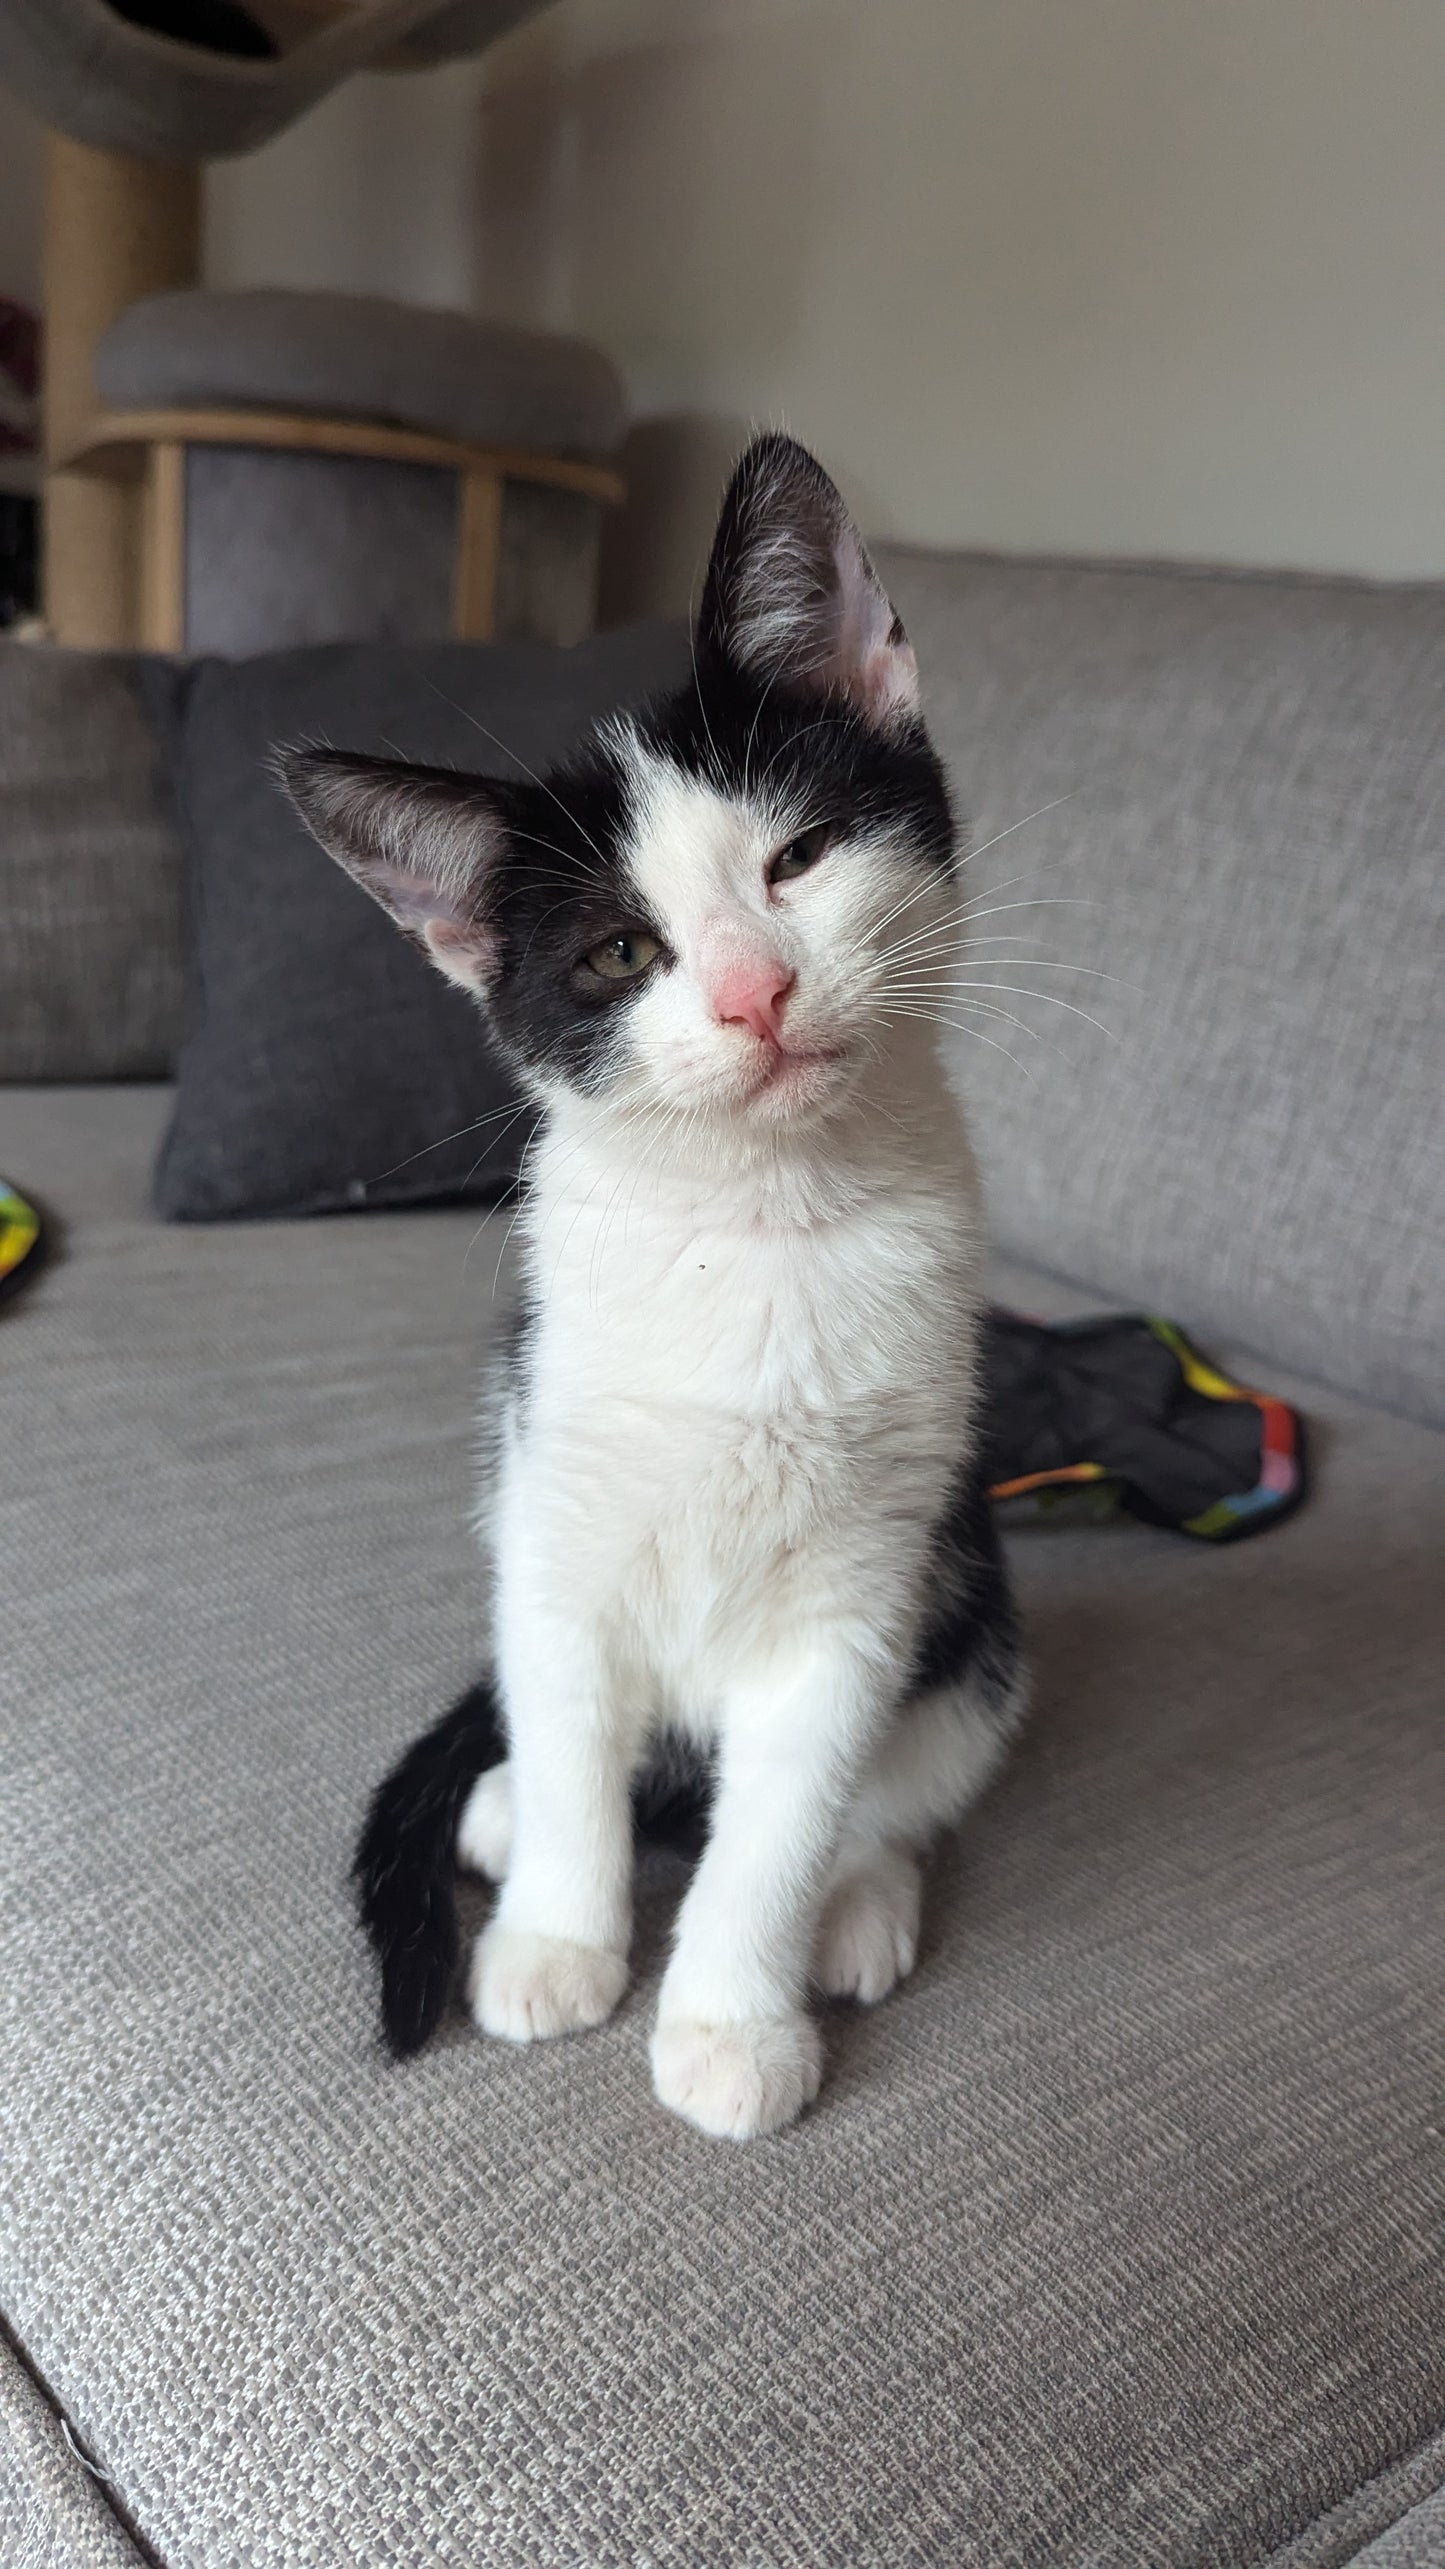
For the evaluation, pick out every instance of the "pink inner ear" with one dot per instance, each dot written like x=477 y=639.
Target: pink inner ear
x=413 y=899
x=464 y=948
x=465 y=951
x=888 y=679
x=874 y=657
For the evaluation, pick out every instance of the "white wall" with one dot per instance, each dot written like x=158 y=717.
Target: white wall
x=1127 y=276
x=1130 y=276
x=375 y=192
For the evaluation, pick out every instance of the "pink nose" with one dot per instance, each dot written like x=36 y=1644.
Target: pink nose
x=754 y=995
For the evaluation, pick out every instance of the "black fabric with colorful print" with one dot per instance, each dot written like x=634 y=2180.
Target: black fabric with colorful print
x=1125 y=1409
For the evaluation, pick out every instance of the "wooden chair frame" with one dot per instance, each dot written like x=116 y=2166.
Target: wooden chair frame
x=148 y=448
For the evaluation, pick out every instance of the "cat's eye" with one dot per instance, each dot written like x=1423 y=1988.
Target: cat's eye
x=623 y=956
x=800 y=853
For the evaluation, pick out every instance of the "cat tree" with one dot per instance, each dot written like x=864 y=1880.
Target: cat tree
x=131 y=487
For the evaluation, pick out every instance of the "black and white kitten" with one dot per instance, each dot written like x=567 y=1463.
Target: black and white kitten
x=736 y=1518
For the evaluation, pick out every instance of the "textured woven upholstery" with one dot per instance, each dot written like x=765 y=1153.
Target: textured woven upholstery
x=1416 y=2542
x=90 y=871
x=1255 y=773
x=1115 y=2237
x=53 y=2512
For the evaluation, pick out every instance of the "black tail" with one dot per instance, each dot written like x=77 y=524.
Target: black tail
x=405 y=1862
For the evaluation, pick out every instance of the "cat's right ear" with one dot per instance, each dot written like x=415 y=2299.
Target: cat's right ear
x=791 y=594
x=422 y=842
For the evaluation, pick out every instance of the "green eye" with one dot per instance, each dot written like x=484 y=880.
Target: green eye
x=622 y=957
x=800 y=853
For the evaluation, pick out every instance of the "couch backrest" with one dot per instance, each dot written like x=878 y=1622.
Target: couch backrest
x=90 y=868
x=1255 y=824
x=1255 y=770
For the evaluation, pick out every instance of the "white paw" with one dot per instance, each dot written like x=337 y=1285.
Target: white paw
x=736 y=2081
x=527 y=1987
x=868 y=1933
x=484 y=1831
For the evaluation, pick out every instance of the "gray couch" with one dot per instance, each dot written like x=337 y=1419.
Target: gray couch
x=1117 y=2238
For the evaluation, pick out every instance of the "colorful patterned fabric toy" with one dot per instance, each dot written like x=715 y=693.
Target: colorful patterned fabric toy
x=20 y=1238
x=1128 y=1405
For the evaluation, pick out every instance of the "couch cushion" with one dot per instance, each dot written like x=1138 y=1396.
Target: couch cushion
x=326 y=1063
x=90 y=869
x=1114 y=2238
x=1416 y=2542
x=1256 y=780
x=52 y=2508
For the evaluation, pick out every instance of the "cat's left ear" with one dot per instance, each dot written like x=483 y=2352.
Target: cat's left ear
x=791 y=594
x=423 y=842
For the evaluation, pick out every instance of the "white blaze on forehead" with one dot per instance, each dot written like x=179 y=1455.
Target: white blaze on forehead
x=698 y=856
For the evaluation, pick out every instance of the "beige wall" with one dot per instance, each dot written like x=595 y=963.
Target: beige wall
x=375 y=192
x=1128 y=276
x=1131 y=276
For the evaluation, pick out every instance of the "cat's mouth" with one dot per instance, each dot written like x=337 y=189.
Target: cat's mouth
x=796 y=1076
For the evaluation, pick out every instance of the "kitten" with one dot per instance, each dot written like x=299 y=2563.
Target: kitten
x=737 y=1528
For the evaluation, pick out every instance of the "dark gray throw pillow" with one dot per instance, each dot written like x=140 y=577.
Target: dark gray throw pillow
x=325 y=1064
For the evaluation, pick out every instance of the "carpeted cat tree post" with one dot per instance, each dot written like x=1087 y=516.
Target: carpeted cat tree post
x=397 y=472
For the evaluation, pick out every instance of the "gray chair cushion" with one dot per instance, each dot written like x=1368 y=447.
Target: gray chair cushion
x=90 y=868
x=1114 y=2239
x=325 y=1063
x=360 y=356
x=1256 y=773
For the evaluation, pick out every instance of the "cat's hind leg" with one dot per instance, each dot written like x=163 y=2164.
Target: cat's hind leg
x=868 y=1933
x=670 y=1796
x=965 y=1701
x=967 y=1698
x=484 y=1831
x=935 y=1761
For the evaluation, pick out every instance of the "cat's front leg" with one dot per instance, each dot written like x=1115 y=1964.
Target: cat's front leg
x=554 y=1958
x=734 y=2049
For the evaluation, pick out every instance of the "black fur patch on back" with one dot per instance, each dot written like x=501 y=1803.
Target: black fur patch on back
x=970 y=1629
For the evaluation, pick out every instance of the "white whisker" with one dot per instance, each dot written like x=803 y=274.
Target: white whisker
x=1050 y=999
x=510 y=1111
x=961 y=1029
x=539 y=781
x=975 y=853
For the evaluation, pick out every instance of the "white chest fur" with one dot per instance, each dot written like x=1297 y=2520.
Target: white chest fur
x=745 y=1398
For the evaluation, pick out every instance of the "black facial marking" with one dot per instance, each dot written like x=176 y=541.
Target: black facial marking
x=516 y=885
x=560 y=887
x=560 y=891
x=821 y=758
